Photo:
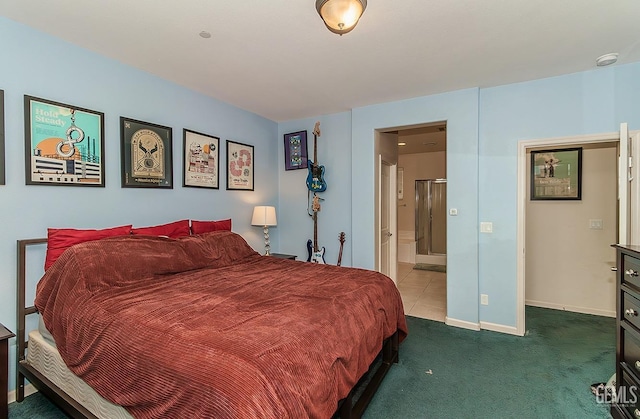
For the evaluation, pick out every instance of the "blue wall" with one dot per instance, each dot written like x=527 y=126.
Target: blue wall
x=460 y=110
x=582 y=103
x=484 y=126
x=39 y=65
x=334 y=152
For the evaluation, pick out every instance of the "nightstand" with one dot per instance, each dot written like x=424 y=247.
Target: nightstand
x=283 y=256
x=5 y=335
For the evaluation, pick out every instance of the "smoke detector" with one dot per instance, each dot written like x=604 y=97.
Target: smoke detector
x=607 y=59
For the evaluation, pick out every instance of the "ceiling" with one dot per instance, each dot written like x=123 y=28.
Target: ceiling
x=426 y=139
x=275 y=58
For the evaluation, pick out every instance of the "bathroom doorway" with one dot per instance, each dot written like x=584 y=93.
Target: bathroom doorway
x=422 y=218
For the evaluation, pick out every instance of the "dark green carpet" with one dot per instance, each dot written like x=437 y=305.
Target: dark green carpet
x=429 y=267
x=545 y=374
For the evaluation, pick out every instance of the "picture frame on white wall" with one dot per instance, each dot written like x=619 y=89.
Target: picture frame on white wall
x=556 y=174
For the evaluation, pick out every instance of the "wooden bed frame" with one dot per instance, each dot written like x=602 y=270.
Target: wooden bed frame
x=351 y=407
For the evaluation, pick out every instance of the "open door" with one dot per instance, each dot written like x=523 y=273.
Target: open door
x=625 y=177
x=387 y=256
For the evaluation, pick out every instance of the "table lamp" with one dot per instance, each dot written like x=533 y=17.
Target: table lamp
x=264 y=216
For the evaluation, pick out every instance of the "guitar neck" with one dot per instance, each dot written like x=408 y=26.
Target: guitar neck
x=315 y=150
x=315 y=232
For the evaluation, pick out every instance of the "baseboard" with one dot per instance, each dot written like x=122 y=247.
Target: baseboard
x=29 y=389
x=461 y=323
x=575 y=309
x=494 y=327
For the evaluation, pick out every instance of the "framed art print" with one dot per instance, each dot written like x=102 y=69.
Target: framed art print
x=239 y=166
x=2 y=163
x=64 y=144
x=201 y=160
x=146 y=156
x=556 y=174
x=295 y=150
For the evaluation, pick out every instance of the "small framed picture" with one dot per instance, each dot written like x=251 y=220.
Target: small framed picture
x=295 y=150
x=201 y=160
x=556 y=174
x=239 y=166
x=64 y=144
x=146 y=157
x=2 y=168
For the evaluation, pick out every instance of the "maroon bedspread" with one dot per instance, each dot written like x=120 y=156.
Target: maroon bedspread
x=205 y=327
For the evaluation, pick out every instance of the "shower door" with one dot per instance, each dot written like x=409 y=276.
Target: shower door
x=431 y=217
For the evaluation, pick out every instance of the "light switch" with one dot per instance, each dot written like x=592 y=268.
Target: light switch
x=486 y=227
x=595 y=224
x=453 y=211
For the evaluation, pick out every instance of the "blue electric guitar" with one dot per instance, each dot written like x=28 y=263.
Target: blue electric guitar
x=316 y=254
x=315 y=178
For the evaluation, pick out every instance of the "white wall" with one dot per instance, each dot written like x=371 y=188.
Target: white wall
x=568 y=265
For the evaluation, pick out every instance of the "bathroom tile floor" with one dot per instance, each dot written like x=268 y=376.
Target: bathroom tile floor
x=424 y=293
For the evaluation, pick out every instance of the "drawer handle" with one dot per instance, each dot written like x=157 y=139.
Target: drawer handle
x=631 y=272
x=630 y=312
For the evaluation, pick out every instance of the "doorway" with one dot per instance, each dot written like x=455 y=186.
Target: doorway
x=422 y=217
x=588 y=223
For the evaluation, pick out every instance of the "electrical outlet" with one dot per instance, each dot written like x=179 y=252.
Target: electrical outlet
x=486 y=227
x=484 y=299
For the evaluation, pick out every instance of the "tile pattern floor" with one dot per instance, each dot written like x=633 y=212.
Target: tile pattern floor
x=424 y=293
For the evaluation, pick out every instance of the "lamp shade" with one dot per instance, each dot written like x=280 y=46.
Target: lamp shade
x=264 y=216
x=341 y=16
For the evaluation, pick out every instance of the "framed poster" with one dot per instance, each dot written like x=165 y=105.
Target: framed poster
x=556 y=174
x=64 y=144
x=2 y=167
x=146 y=156
x=201 y=160
x=239 y=166
x=295 y=150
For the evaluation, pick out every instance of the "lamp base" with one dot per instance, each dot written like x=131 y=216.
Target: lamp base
x=267 y=244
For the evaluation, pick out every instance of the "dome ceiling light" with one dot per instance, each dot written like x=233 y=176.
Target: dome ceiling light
x=341 y=16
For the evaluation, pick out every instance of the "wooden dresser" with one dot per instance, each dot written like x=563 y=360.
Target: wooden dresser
x=626 y=401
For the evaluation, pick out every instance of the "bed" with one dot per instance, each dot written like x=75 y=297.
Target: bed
x=203 y=326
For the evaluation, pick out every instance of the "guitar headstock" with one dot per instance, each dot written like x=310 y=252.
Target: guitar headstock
x=341 y=237
x=316 y=129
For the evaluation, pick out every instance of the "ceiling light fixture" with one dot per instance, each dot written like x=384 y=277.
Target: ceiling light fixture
x=341 y=16
x=607 y=59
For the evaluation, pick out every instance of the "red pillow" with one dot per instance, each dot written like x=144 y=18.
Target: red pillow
x=173 y=230
x=200 y=227
x=59 y=239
